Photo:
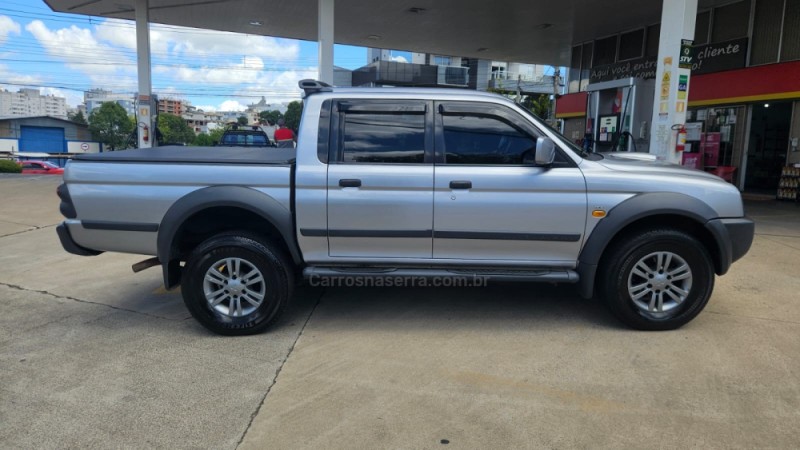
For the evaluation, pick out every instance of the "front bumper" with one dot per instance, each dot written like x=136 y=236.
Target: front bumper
x=734 y=238
x=70 y=245
x=740 y=232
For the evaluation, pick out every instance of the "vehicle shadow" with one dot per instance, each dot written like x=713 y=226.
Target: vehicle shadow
x=497 y=306
x=502 y=306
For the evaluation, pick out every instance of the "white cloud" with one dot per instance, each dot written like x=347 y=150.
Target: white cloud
x=193 y=42
x=231 y=105
x=210 y=43
x=73 y=44
x=193 y=63
x=18 y=80
x=278 y=87
x=399 y=58
x=246 y=71
x=7 y=27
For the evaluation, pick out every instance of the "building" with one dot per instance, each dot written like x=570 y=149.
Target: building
x=30 y=102
x=200 y=121
x=43 y=134
x=95 y=97
x=426 y=69
x=743 y=106
x=384 y=70
x=264 y=105
x=173 y=106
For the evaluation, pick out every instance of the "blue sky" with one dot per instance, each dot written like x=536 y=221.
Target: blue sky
x=65 y=54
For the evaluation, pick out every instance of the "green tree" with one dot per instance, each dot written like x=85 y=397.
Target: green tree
x=174 y=130
x=78 y=117
x=242 y=120
x=538 y=104
x=216 y=135
x=270 y=116
x=203 y=140
x=293 y=113
x=110 y=125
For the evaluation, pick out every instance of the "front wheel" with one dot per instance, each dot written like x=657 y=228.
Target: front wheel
x=657 y=280
x=235 y=284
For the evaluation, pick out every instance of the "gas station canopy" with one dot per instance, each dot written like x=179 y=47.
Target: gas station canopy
x=525 y=31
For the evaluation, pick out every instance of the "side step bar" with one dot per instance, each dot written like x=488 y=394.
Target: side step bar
x=556 y=275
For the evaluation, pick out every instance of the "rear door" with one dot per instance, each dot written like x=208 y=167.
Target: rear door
x=489 y=206
x=380 y=179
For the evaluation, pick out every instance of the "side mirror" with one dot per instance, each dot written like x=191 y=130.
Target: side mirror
x=545 y=151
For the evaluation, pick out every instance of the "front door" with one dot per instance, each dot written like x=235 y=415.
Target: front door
x=380 y=180
x=491 y=207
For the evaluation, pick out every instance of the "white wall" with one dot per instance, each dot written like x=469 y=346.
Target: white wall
x=9 y=145
x=75 y=147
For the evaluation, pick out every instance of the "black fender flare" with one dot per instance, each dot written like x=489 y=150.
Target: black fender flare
x=639 y=207
x=215 y=196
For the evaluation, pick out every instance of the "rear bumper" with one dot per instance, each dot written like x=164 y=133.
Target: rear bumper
x=70 y=245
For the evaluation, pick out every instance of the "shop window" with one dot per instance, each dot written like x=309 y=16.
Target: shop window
x=574 y=80
x=586 y=64
x=730 y=21
x=653 y=36
x=605 y=51
x=441 y=60
x=790 y=43
x=766 y=32
x=701 y=28
x=631 y=45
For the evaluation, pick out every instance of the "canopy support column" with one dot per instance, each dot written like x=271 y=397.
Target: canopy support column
x=325 y=24
x=146 y=130
x=672 y=77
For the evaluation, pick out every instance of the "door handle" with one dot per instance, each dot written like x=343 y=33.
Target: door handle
x=460 y=184
x=350 y=182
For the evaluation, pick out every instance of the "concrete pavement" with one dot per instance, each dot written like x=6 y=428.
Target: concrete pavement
x=92 y=355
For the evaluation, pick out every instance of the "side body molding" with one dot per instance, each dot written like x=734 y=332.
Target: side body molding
x=219 y=196
x=639 y=207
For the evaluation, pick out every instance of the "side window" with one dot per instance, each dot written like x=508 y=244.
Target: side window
x=371 y=137
x=484 y=139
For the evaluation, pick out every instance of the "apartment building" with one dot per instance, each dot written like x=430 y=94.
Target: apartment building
x=30 y=102
x=173 y=106
x=93 y=98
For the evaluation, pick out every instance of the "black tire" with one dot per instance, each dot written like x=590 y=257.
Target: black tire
x=252 y=252
x=619 y=271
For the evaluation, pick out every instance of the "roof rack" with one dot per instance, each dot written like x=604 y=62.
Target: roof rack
x=310 y=86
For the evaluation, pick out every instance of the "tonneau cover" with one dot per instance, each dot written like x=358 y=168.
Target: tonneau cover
x=197 y=155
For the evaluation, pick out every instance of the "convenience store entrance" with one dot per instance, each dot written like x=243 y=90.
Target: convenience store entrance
x=767 y=147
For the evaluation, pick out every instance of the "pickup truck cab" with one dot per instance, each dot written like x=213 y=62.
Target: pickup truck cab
x=245 y=136
x=415 y=183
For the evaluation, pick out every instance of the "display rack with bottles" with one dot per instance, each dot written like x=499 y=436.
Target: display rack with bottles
x=789 y=183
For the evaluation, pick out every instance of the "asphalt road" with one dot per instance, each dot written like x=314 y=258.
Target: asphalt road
x=94 y=356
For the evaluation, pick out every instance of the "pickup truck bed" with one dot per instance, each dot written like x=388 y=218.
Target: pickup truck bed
x=197 y=155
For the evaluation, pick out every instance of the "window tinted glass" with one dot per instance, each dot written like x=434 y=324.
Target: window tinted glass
x=631 y=44
x=475 y=139
x=383 y=138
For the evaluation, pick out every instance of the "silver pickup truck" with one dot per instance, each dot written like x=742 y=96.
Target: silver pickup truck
x=408 y=184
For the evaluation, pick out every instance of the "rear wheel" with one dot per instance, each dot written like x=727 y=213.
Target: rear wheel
x=235 y=284
x=657 y=280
